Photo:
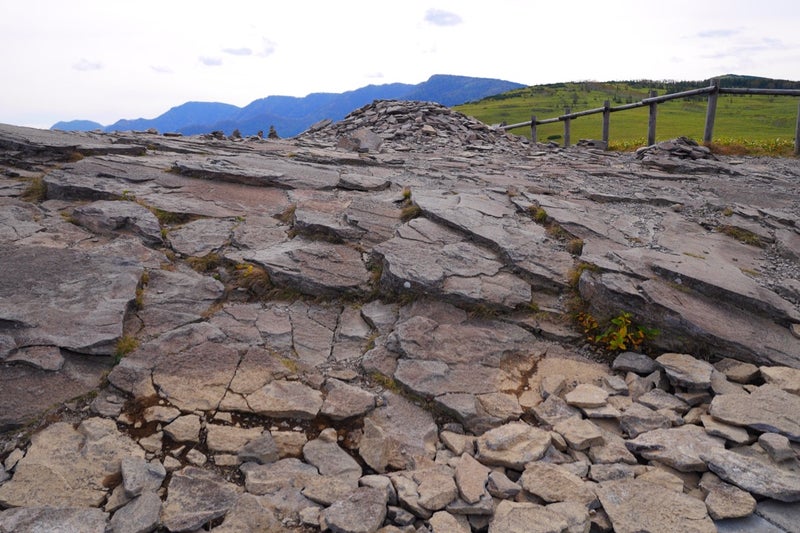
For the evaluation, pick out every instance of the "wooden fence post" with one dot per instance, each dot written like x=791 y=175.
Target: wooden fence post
x=567 y=111
x=606 y=120
x=711 y=113
x=797 y=133
x=651 y=123
x=534 y=134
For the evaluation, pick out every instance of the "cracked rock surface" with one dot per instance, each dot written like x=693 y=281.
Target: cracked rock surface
x=372 y=327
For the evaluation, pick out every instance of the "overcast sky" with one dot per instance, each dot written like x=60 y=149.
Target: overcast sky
x=103 y=60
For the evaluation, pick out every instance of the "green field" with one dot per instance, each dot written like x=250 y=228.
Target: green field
x=739 y=117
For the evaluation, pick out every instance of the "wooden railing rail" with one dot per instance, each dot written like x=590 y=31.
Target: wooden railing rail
x=713 y=91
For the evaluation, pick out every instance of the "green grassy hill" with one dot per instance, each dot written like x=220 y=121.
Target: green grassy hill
x=739 y=117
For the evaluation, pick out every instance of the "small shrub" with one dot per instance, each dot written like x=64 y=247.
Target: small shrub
x=538 y=213
x=741 y=235
x=254 y=279
x=125 y=345
x=727 y=212
x=621 y=334
x=575 y=246
x=287 y=215
x=574 y=275
x=410 y=212
x=407 y=194
x=74 y=157
x=35 y=192
x=205 y=264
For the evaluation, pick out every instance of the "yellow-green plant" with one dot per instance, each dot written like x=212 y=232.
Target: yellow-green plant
x=125 y=345
x=621 y=334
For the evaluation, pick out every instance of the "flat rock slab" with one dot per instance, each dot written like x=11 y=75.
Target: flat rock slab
x=768 y=409
x=686 y=371
x=755 y=474
x=197 y=378
x=18 y=220
x=521 y=517
x=66 y=298
x=363 y=511
x=428 y=258
x=26 y=391
x=66 y=467
x=634 y=505
x=313 y=267
x=106 y=217
x=202 y=237
x=195 y=497
x=512 y=445
x=680 y=447
x=45 y=518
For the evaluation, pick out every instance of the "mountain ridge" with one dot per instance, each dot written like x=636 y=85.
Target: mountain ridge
x=293 y=115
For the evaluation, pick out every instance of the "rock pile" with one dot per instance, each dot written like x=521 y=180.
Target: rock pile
x=282 y=335
x=406 y=125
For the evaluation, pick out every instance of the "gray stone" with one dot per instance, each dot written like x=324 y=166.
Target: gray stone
x=229 y=439
x=325 y=490
x=552 y=483
x=139 y=476
x=201 y=237
x=195 y=497
x=286 y=399
x=512 y=445
x=184 y=429
x=657 y=399
x=514 y=517
x=735 y=434
x=777 y=446
x=767 y=409
x=111 y=218
x=43 y=357
x=500 y=486
x=345 y=401
x=754 y=474
x=444 y=522
x=313 y=267
x=721 y=385
x=471 y=478
x=634 y=362
x=140 y=515
x=737 y=371
x=580 y=434
x=586 y=395
x=261 y=449
x=686 y=371
x=44 y=518
x=330 y=459
x=66 y=467
x=80 y=302
x=635 y=505
x=577 y=516
x=397 y=435
x=249 y=513
x=554 y=410
x=638 y=419
x=785 y=515
x=680 y=447
x=782 y=377
x=436 y=488
x=724 y=500
x=279 y=485
x=380 y=482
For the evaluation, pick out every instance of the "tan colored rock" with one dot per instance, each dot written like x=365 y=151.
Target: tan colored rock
x=580 y=434
x=783 y=377
x=471 y=478
x=585 y=395
x=635 y=505
x=768 y=409
x=686 y=371
x=512 y=445
x=229 y=439
x=552 y=483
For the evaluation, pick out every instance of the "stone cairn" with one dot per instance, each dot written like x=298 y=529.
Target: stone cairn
x=359 y=331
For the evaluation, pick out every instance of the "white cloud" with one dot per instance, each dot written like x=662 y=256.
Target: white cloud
x=238 y=51
x=267 y=47
x=85 y=65
x=438 y=17
x=160 y=69
x=211 y=61
x=715 y=34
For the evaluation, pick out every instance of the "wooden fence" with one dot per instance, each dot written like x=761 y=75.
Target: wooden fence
x=713 y=92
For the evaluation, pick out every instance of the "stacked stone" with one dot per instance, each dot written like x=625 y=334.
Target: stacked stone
x=671 y=444
x=681 y=148
x=398 y=125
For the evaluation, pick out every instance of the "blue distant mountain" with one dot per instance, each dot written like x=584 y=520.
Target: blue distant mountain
x=292 y=115
x=77 y=125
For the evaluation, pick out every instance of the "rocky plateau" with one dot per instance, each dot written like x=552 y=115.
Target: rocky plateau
x=406 y=321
